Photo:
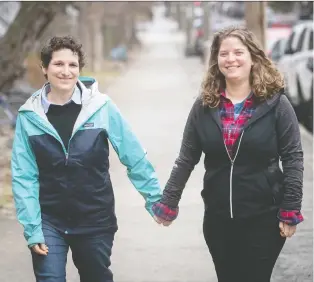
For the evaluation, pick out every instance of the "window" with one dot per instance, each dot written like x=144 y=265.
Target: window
x=311 y=40
x=288 y=49
x=276 y=51
x=300 y=43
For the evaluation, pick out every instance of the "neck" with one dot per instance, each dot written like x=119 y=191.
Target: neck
x=236 y=91
x=59 y=97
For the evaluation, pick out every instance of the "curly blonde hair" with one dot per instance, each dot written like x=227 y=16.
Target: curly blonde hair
x=265 y=79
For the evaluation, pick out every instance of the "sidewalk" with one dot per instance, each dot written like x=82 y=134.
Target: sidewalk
x=155 y=96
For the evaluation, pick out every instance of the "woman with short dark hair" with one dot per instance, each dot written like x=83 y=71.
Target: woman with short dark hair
x=60 y=168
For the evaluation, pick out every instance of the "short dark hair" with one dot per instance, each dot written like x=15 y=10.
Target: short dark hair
x=57 y=43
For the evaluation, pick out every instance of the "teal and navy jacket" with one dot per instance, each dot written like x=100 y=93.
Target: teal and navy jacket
x=70 y=188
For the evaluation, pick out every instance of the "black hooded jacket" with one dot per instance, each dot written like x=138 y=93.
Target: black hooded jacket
x=253 y=182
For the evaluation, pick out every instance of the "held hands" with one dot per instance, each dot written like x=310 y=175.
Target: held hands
x=164 y=214
x=40 y=249
x=286 y=230
x=159 y=220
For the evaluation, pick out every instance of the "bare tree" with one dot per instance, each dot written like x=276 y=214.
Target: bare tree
x=256 y=20
x=27 y=28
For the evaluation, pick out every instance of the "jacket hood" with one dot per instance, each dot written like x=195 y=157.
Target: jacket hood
x=275 y=98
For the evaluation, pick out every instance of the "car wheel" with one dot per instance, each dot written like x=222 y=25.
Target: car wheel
x=188 y=52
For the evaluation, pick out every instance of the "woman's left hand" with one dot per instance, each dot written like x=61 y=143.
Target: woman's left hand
x=287 y=230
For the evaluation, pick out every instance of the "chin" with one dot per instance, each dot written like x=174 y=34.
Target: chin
x=65 y=87
x=233 y=77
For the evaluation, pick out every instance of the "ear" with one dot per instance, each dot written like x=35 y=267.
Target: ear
x=44 y=70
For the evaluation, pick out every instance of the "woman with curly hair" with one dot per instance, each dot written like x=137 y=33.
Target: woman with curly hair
x=244 y=125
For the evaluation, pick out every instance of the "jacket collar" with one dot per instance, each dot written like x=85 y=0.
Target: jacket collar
x=76 y=97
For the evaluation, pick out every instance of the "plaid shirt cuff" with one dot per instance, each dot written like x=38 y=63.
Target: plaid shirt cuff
x=292 y=217
x=164 y=212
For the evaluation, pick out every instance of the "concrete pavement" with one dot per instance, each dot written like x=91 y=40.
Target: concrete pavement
x=155 y=95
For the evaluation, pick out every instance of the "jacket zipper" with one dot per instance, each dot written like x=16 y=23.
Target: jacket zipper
x=68 y=152
x=231 y=171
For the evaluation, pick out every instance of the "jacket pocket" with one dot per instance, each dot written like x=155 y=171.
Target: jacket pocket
x=275 y=182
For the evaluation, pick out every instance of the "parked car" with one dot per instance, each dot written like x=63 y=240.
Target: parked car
x=276 y=51
x=304 y=109
x=194 y=47
x=297 y=67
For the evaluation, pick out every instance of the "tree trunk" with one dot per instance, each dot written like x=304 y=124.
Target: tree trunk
x=256 y=21
x=27 y=28
x=132 y=34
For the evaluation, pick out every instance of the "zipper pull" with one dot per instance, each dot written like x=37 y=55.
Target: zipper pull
x=66 y=158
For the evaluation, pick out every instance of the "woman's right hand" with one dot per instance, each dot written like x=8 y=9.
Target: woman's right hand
x=40 y=249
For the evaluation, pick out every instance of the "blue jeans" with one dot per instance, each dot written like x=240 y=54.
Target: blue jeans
x=91 y=256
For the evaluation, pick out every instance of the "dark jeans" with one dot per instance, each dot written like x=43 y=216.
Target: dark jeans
x=91 y=256
x=243 y=250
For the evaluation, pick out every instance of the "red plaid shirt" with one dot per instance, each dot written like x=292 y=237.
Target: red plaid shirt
x=232 y=128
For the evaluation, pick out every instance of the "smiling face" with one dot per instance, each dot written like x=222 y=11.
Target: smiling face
x=234 y=59
x=63 y=70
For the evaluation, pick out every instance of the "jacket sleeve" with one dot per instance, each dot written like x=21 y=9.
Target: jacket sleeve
x=189 y=156
x=131 y=154
x=25 y=186
x=291 y=154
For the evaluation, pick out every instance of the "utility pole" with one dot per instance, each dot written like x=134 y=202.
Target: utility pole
x=177 y=14
x=255 y=17
x=184 y=16
x=173 y=10
x=182 y=19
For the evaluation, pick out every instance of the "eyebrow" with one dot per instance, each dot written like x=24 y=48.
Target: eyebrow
x=239 y=49
x=60 y=61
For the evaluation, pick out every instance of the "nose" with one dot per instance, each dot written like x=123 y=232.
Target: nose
x=65 y=70
x=230 y=57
